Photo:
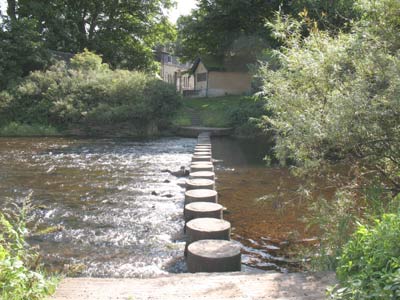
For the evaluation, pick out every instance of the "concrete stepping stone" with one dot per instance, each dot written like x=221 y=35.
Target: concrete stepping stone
x=202 y=152
x=201 y=158
x=201 y=195
x=202 y=210
x=202 y=174
x=201 y=163
x=213 y=256
x=207 y=229
x=200 y=183
x=201 y=167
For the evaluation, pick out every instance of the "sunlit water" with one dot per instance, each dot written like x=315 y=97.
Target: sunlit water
x=118 y=214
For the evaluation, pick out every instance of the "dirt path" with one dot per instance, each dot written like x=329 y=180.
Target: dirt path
x=199 y=286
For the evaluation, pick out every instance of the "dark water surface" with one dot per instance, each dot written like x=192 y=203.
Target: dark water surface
x=119 y=215
x=263 y=206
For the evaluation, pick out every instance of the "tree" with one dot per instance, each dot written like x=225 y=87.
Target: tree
x=335 y=117
x=123 y=32
x=226 y=28
x=21 y=50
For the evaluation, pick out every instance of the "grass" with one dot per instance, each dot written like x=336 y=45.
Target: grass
x=18 y=129
x=213 y=112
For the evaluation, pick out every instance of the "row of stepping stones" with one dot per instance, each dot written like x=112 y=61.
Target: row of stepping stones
x=208 y=246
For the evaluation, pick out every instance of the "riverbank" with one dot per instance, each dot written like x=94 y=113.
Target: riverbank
x=200 y=286
x=236 y=112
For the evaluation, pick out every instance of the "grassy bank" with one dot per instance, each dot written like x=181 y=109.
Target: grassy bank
x=213 y=112
x=239 y=112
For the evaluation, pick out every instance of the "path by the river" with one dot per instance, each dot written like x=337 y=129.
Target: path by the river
x=277 y=286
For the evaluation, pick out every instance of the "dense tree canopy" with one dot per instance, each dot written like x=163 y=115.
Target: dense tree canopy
x=226 y=28
x=123 y=32
x=21 y=50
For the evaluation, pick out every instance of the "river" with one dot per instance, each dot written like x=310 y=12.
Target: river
x=114 y=212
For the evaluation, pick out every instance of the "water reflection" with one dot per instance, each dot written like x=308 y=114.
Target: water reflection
x=115 y=213
x=263 y=205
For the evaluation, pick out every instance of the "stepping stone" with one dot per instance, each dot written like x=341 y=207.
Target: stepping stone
x=201 y=195
x=207 y=229
x=202 y=174
x=202 y=210
x=201 y=167
x=200 y=183
x=202 y=163
x=202 y=152
x=213 y=256
x=204 y=145
x=201 y=158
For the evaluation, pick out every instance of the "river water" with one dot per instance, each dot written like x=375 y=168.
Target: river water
x=114 y=212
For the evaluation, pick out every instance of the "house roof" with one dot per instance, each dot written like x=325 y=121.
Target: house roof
x=233 y=64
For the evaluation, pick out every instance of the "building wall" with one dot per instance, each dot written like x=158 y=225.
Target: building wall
x=228 y=83
x=200 y=81
x=171 y=71
x=168 y=73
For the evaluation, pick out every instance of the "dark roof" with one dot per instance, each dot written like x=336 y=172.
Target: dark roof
x=232 y=64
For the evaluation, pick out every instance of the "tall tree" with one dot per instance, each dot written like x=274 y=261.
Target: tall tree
x=227 y=28
x=21 y=49
x=124 y=32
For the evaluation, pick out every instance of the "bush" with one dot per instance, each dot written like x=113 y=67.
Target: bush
x=246 y=116
x=369 y=267
x=17 y=129
x=20 y=274
x=21 y=50
x=89 y=93
x=335 y=110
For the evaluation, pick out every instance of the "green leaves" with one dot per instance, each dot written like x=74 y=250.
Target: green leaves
x=369 y=265
x=89 y=94
x=20 y=277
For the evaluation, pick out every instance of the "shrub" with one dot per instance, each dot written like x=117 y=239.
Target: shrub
x=335 y=110
x=88 y=94
x=20 y=274
x=369 y=267
x=246 y=116
x=17 y=129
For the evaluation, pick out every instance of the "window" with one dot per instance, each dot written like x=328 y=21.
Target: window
x=201 y=77
x=169 y=59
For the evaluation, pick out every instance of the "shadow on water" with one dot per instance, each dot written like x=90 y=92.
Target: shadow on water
x=263 y=205
x=117 y=214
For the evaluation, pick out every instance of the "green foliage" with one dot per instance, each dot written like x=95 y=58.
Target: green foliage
x=246 y=116
x=213 y=112
x=369 y=267
x=235 y=29
x=17 y=129
x=336 y=99
x=334 y=103
x=124 y=32
x=88 y=61
x=89 y=94
x=21 y=50
x=243 y=113
x=20 y=274
x=222 y=29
